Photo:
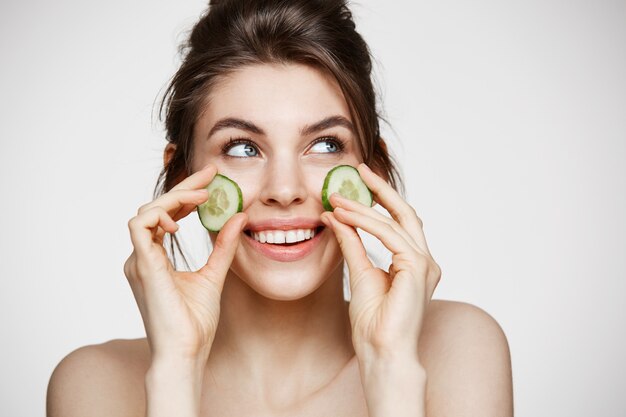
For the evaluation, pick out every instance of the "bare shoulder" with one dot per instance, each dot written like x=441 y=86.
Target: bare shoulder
x=467 y=360
x=456 y=321
x=100 y=380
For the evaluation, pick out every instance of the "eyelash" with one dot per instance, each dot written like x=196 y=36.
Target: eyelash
x=232 y=142
x=341 y=146
x=236 y=141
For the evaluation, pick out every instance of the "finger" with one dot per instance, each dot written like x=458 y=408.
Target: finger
x=184 y=211
x=363 y=285
x=198 y=179
x=143 y=226
x=351 y=245
x=389 y=237
x=130 y=267
x=175 y=199
x=224 y=250
x=397 y=207
x=130 y=271
x=338 y=200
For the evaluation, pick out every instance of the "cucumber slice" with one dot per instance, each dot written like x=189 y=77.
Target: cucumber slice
x=346 y=181
x=225 y=200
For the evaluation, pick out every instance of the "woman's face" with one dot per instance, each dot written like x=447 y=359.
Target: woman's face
x=277 y=130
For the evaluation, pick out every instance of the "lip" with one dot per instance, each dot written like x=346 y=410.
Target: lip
x=284 y=253
x=284 y=224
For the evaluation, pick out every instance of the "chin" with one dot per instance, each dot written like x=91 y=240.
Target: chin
x=282 y=286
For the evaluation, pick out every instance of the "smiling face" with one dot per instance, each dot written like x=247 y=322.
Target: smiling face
x=277 y=130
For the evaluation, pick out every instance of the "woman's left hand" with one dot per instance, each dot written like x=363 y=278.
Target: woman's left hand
x=386 y=308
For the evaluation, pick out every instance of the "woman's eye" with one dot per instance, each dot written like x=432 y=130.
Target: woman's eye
x=242 y=150
x=325 y=146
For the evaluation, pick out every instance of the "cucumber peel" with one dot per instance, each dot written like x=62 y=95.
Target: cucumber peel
x=346 y=181
x=225 y=200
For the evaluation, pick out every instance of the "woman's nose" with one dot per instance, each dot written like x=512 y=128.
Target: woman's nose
x=283 y=183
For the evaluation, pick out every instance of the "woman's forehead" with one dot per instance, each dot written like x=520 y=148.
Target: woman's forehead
x=276 y=94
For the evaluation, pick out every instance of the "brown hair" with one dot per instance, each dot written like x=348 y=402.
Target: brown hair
x=236 y=33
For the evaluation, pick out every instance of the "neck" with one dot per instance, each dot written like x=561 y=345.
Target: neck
x=302 y=344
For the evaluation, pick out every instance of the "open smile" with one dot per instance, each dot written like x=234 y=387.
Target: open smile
x=285 y=245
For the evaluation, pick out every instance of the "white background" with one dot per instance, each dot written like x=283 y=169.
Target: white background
x=509 y=119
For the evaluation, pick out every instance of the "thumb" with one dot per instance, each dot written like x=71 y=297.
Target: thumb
x=224 y=250
x=350 y=243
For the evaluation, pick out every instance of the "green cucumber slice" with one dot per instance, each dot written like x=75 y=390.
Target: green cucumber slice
x=346 y=181
x=225 y=200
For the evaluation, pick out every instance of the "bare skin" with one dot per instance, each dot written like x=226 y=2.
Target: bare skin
x=472 y=367
x=284 y=344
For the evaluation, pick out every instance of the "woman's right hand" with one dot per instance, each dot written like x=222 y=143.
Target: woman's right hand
x=180 y=310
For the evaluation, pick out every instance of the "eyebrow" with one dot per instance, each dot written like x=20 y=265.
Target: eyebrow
x=326 y=123
x=231 y=122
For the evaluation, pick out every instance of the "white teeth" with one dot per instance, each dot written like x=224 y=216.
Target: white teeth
x=279 y=236
x=290 y=236
x=283 y=236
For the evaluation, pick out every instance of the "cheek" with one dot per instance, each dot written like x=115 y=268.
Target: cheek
x=315 y=171
x=248 y=178
x=315 y=176
x=245 y=177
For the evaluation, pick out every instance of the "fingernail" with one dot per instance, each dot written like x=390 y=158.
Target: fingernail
x=338 y=196
x=366 y=167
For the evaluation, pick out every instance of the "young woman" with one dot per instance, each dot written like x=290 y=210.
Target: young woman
x=273 y=94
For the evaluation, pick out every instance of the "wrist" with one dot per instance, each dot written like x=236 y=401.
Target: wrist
x=174 y=387
x=161 y=360
x=394 y=385
x=191 y=369
x=396 y=366
x=370 y=355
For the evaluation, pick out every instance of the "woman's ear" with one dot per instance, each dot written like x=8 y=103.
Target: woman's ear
x=168 y=154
